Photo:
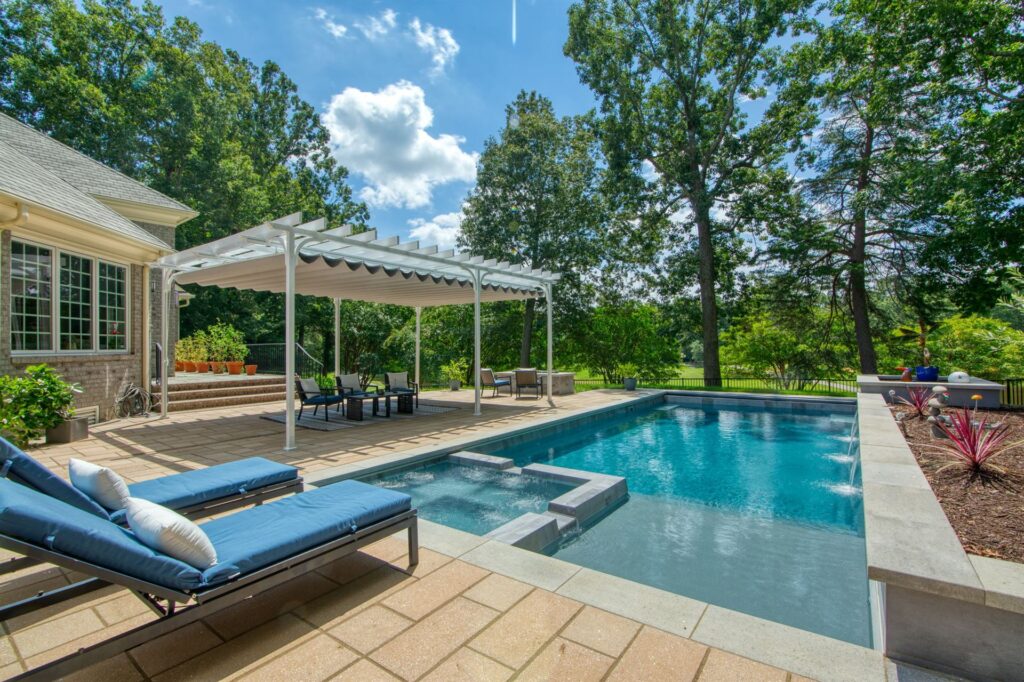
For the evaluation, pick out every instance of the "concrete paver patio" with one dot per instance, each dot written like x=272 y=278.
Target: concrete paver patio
x=460 y=614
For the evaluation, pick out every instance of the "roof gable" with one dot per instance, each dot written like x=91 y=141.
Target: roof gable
x=84 y=173
x=22 y=178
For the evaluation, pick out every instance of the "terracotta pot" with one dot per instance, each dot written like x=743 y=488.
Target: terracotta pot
x=202 y=367
x=179 y=366
x=235 y=367
x=250 y=370
x=188 y=366
x=216 y=367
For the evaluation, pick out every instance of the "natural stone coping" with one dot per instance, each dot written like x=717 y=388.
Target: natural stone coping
x=799 y=651
x=481 y=460
x=910 y=542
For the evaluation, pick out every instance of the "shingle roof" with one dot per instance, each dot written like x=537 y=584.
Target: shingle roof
x=24 y=179
x=87 y=174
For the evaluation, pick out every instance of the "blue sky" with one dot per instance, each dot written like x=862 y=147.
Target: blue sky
x=408 y=90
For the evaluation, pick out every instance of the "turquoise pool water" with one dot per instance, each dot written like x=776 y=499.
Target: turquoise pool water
x=472 y=499
x=754 y=509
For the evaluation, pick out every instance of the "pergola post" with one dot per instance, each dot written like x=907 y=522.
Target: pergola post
x=166 y=286
x=416 y=367
x=337 y=338
x=477 y=282
x=547 y=295
x=289 y=339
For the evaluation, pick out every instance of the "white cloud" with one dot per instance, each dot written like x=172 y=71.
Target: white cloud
x=327 y=21
x=378 y=27
x=437 y=42
x=383 y=137
x=443 y=230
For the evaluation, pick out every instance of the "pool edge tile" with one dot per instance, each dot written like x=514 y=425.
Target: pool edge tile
x=448 y=541
x=523 y=565
x=782 y=646
x=660 y=609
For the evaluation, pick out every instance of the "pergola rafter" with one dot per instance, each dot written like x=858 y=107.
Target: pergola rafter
x=291 y=257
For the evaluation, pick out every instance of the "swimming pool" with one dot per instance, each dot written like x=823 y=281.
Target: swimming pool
x=756 y=509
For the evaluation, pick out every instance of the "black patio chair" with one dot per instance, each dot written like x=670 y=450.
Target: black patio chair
x=398 y=382
x=529 y=379
x=488 y=380
x=310 y=393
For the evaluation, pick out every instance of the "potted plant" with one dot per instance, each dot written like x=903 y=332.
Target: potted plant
x=185 y=351
x=228 y=345
x=41 y=401
x=628 y=372
x=201 y=351
x=454 y=372
x=250 y=370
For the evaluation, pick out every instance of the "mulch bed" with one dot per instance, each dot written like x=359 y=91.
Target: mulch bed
x=987 y=511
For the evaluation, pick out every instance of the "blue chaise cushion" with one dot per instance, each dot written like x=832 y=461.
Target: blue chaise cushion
x=259 y=536
x=26 y=470
x=41 y=520
x=204 y=485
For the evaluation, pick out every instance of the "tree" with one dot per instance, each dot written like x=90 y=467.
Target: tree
x=537 y=201
x=672 y=76
x=202 y=124
x=980 y=346
x=627 y=333
x=867 y=214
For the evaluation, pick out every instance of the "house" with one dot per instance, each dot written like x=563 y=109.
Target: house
x=77 y=291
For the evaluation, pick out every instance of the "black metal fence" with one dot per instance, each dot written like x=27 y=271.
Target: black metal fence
x=736 y=383
x=269 y=359
x=1013 y=394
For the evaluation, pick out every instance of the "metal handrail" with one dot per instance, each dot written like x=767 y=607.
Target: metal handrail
x=269 y=357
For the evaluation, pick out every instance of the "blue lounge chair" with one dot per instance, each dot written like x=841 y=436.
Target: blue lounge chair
x=198 y=493
x=257 y=549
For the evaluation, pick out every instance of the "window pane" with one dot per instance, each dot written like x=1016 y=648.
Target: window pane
x=31 y=277
x=113 y=307
x=75 y=302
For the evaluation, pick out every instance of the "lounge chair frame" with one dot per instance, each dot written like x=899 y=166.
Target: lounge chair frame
x=195 y=605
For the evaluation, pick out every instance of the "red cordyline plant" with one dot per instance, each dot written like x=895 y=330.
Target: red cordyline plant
x=971 y=443
x=918 y=399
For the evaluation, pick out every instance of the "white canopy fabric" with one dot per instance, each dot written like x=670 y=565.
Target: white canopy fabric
x=288 y=256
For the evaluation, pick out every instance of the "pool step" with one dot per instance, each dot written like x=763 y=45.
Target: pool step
x=530 y=531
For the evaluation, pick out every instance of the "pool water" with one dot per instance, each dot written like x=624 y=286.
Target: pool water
x=474 y=499
x=757 y=510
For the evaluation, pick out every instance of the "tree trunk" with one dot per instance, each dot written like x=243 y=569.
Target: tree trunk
x=524 y=349
x=858 y=278
x=708 y=302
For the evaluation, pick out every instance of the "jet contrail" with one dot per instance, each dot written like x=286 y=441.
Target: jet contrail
x=513 y=22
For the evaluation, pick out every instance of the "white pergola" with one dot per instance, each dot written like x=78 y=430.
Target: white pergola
x=289 y=256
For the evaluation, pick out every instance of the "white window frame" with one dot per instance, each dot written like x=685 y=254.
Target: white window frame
x=94 y=297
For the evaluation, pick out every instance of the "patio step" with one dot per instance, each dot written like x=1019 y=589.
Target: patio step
x=213 y=382
x=199 y=395
x=207 y=403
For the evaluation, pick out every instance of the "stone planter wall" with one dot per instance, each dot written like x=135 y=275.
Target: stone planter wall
x=959 y=394
x=939 y=607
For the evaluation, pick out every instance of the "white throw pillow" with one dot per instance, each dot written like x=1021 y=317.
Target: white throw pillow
x=167 y=531
x=99 y=483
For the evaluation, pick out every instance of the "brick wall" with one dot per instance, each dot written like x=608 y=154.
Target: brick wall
x=101 y=376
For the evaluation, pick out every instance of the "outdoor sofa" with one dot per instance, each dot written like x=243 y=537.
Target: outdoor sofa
x=257 y=549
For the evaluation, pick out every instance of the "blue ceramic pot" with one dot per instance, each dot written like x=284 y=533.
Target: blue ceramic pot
x=927 y=373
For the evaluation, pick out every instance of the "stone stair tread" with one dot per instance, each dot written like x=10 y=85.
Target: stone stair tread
x=205 y=403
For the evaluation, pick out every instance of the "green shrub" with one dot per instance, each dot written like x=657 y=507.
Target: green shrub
x=455 y=370
x=981 y=346
x=628 y=370
x=225 y=343
x=35 y=402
